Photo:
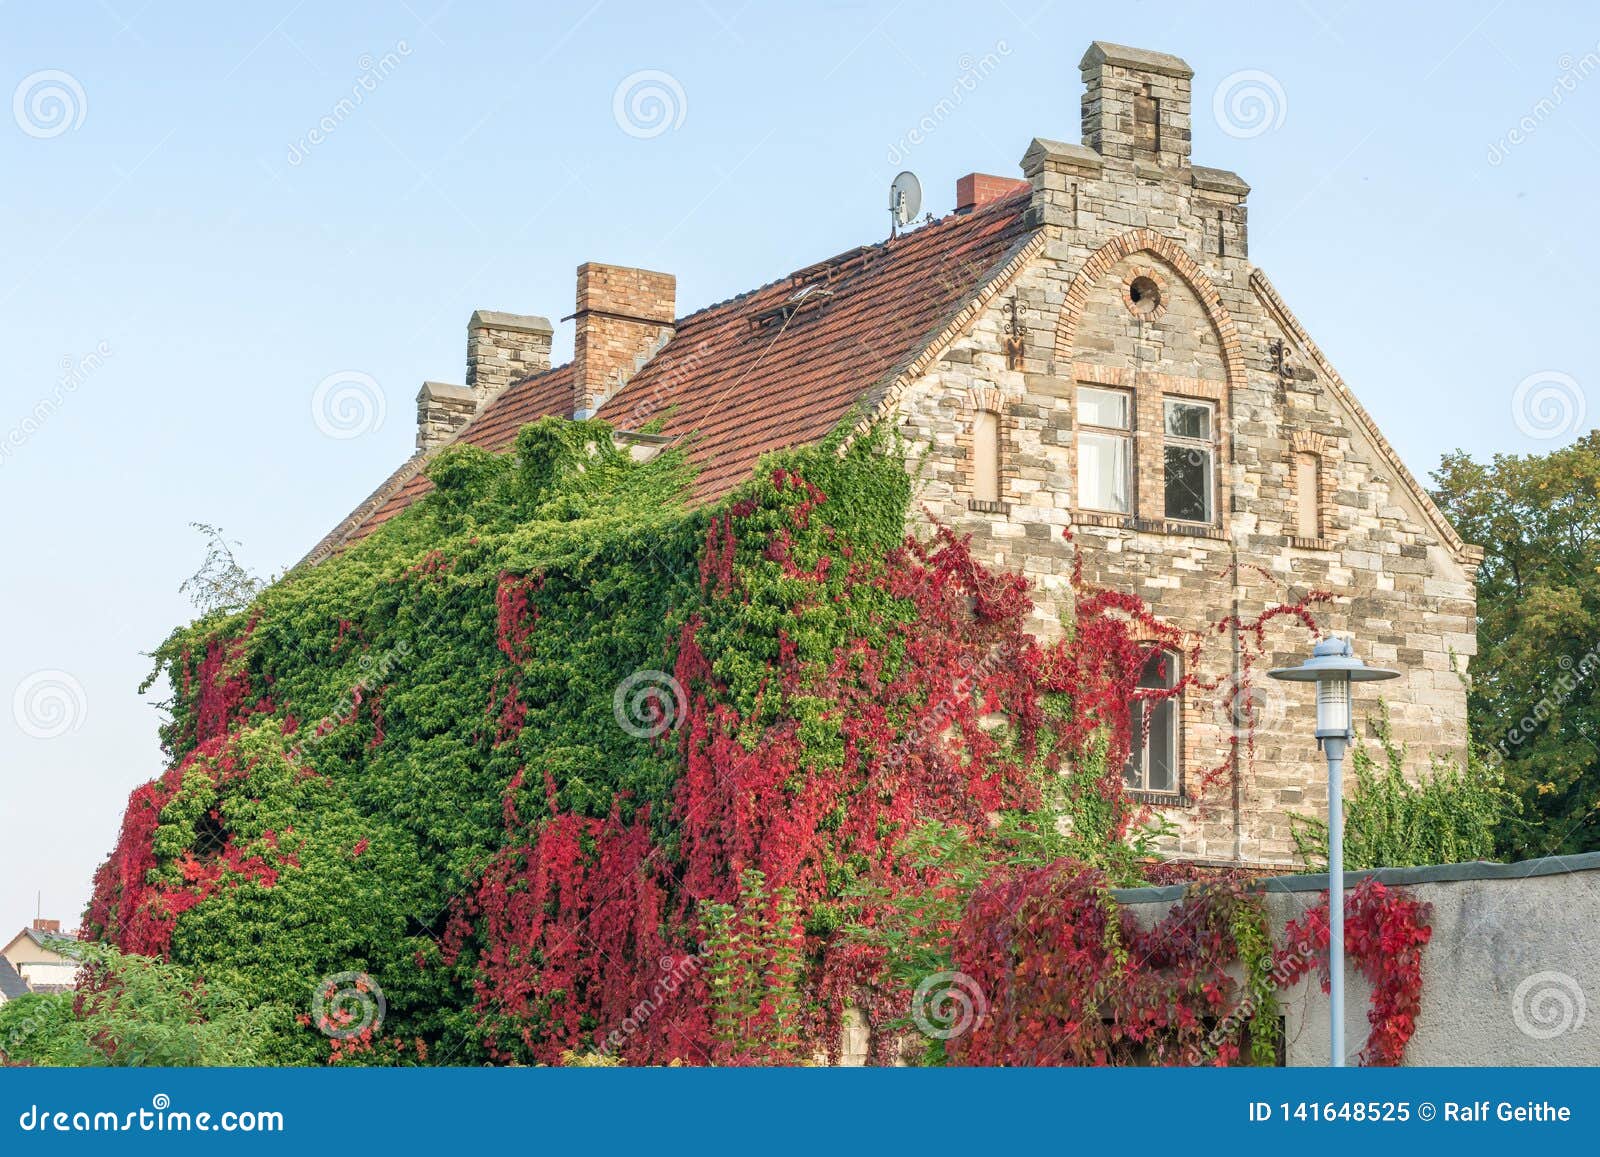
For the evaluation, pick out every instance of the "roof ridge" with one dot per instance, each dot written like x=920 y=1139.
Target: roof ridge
x=938 y=222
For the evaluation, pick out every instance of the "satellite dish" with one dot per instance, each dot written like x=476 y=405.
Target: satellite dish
x=905 y=200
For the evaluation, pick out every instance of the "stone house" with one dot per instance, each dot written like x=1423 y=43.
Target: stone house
x=1087 y=367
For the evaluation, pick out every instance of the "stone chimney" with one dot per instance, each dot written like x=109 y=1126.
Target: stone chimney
x=624 y=316
x=503 y=348
x=442 y=409
x=1136 y=104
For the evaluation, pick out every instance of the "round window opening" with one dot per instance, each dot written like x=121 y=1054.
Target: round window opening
x=1144 y=296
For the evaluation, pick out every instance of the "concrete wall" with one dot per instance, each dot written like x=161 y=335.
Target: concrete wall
x=1511 y=976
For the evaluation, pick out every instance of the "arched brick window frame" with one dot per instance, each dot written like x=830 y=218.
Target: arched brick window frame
x=1187 y=713
x=1149 y=388
x=1140 y=241
x=986 y=417
x=1309 y=444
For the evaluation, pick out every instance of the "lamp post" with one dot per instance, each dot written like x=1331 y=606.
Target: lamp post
x=1333 y=666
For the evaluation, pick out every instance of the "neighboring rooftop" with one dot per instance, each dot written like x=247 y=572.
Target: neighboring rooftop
x=11 y=983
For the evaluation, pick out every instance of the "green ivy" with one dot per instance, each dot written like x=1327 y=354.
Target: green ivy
x=1448 y=815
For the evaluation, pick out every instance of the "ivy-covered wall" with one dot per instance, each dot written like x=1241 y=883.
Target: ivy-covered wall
x=555 y=766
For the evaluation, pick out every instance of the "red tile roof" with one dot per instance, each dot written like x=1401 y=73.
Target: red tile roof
x=765 y=370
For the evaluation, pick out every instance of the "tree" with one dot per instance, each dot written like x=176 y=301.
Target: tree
x=222 y=583
x=1535 y=698
x=130 y=1011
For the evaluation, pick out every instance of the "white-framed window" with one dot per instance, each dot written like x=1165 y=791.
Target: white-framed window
x=1191 y=457
x=1154 y=726
x=1105 y=449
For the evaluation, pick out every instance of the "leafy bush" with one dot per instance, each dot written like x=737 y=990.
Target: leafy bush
x=131 y=1011
x=1449 y=815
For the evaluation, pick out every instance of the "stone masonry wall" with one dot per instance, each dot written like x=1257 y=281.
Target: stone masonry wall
x=1402 y=583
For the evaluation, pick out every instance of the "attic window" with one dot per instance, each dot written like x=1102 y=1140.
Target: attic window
x=807 y=297
x=1144 y=296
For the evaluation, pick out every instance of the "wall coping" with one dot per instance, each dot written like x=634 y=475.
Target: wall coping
x=1430 y=874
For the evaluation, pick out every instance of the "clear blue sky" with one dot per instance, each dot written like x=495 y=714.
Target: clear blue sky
x=160 y=234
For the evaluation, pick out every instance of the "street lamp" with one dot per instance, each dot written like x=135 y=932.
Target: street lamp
x=1333 y=666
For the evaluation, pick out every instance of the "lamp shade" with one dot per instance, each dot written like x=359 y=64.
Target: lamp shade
x=1332 y=657
x=1333 y=666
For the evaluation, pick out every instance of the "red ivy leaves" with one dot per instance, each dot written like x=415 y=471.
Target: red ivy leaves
x=1384 y=934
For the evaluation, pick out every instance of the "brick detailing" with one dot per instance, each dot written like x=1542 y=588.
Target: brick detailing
x=624 y=317
x=1148 y=240
x=1317 y=444
x=985 y=400
x=1143 y=309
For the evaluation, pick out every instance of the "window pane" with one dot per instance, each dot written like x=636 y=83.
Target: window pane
x=1103 y=407
x=1188 y=483
x=1188 y=420
x=1133 y=770
x=1103 y=472
x=1162 y=760
x=1160 y=670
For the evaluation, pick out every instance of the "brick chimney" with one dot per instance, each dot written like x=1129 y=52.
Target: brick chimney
x=624 y=316
x=1136 y=104
x=977 y=189
x=42 y=925
x=503 y=348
